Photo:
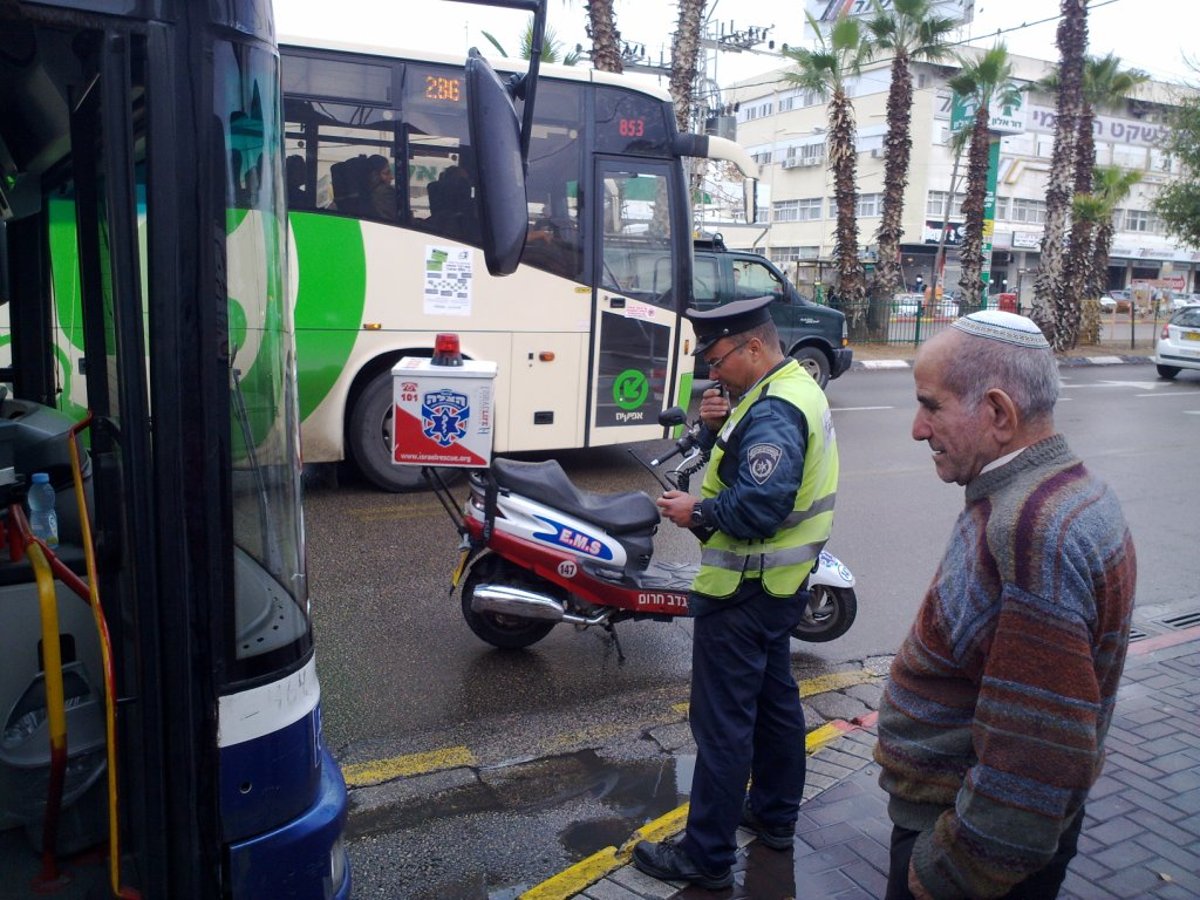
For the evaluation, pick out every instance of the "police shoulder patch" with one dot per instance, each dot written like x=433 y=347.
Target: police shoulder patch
x=763 y=459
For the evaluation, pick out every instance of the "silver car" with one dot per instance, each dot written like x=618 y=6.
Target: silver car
x=1178 y=344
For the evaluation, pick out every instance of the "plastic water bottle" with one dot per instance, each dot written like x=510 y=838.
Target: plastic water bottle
x=43 y=520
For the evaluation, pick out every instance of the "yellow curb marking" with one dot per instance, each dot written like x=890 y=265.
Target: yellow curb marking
x=588 y=871
x=381 y=770
x=578 y=877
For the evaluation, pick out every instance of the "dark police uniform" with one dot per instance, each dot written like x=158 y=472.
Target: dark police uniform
x=768 y=497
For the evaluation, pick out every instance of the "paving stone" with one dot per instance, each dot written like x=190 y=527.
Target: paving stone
x=822 y=883
x=1184 y=858
x=832 y=706
x=840 y=833
x=1157 y=825
x=609 y=890
x=1110 y=832
x=1108 y=807
x=1132 y=881
x=642 y=884
x=1123 y=857
x=870 y=850
x=867 y=877
x=1188 y=803
x=812 y=861
x=847 y=761
x=870 y=693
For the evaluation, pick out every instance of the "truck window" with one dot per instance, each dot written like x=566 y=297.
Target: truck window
x=706 y=280
x=753 y=279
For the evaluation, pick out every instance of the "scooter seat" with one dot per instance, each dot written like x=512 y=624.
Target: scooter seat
x=547 y=483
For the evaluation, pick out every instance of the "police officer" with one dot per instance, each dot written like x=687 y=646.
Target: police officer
x=766 y=509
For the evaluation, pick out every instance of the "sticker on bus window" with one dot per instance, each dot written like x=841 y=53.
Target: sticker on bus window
x=448 y=275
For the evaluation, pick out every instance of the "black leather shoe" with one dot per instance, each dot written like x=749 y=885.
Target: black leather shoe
x=777 y=837
x=670 y=862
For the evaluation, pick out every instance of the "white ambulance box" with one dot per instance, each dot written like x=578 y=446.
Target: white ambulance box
x=443 y=415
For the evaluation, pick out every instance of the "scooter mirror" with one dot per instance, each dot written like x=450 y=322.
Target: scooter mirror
x=671 y=417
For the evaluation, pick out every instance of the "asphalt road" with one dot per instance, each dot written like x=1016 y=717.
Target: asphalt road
x=561 y=733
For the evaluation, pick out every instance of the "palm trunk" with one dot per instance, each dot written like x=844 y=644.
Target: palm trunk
x=1077 y=270
x=606 y=39
x=685 y=49
x=898 y=147
x=971 y=253
x=851 y=288
x=1050 y=302
x=940 y=256
x=1101 y=247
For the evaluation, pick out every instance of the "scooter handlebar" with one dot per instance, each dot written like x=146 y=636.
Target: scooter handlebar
x=683 y=445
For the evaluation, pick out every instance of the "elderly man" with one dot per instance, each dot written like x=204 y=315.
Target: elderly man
x=992 y=726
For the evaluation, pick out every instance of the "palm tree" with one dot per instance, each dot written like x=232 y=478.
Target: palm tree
x=1105 y=84
x=913 y=33
x=837 y=57
x=958 y=143
x=606 y=39
x=984 y=82
x=552 y=47
x=1111 y=184
x=685 y=49
x=1051 y=303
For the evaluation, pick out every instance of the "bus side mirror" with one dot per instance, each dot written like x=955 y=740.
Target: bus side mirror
x=499 y=176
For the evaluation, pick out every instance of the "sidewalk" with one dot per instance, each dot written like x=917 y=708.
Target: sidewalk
x=1141 y=837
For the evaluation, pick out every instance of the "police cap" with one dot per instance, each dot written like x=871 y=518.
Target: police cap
x=728 y=319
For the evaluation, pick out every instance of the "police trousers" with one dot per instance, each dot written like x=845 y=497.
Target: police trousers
x=747 y=721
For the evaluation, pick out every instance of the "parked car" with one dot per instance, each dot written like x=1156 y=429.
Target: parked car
x=1179 y=301
x=815 y=335
x=1178 y=344
x=1120 y=301
x=1108 y=303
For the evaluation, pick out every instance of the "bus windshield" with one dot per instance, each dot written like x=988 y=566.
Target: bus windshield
x=272 y=596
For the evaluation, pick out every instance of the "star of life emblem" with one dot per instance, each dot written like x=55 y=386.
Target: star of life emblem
x=444 y=417
x=762 y=459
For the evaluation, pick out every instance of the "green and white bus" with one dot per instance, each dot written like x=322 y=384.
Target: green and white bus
x=587 y=332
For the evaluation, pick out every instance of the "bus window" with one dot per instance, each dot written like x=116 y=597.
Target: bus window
x=637 y=236
x=554 y=242
x=441 y=195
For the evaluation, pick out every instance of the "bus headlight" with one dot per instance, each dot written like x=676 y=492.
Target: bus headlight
x=339 y=864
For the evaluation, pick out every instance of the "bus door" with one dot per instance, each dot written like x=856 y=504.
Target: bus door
x=634 y=348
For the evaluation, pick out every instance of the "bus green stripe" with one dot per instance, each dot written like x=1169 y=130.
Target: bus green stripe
x=329 y=304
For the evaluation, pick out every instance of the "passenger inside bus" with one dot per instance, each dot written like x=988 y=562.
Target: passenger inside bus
x=380 y=188
x=451 y=206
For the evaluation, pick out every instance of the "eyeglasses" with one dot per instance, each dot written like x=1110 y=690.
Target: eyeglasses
x=714 y=364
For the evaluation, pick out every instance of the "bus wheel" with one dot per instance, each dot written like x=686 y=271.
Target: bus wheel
x=815 y=363
x=369 y=440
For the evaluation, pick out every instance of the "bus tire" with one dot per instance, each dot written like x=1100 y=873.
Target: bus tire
x=369 y=440
x=814 y=362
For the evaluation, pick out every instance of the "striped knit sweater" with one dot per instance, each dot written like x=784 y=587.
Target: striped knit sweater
x=992 y=724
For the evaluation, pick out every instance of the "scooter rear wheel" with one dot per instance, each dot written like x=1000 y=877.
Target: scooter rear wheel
x=828 y=615
x=503 y=631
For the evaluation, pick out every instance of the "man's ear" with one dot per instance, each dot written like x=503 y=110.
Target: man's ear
x=1003 y=415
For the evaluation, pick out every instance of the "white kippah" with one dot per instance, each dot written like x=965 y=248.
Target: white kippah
x=996 y=325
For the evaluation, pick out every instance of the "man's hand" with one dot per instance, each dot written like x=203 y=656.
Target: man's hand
x=677 y=506
x=714 y=408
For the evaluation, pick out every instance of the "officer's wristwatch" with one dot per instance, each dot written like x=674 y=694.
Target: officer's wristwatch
x=697 y=520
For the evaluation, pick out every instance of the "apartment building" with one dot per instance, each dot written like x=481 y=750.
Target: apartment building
x=784 y=128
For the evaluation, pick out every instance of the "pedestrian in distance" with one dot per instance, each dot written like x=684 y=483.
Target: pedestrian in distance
x=992 y=725
x=765 y=512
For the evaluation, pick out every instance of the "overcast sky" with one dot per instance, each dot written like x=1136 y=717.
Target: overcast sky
x=1147 y=34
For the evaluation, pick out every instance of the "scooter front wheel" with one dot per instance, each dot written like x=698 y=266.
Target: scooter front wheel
x=828 y=615
x=504 y=631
